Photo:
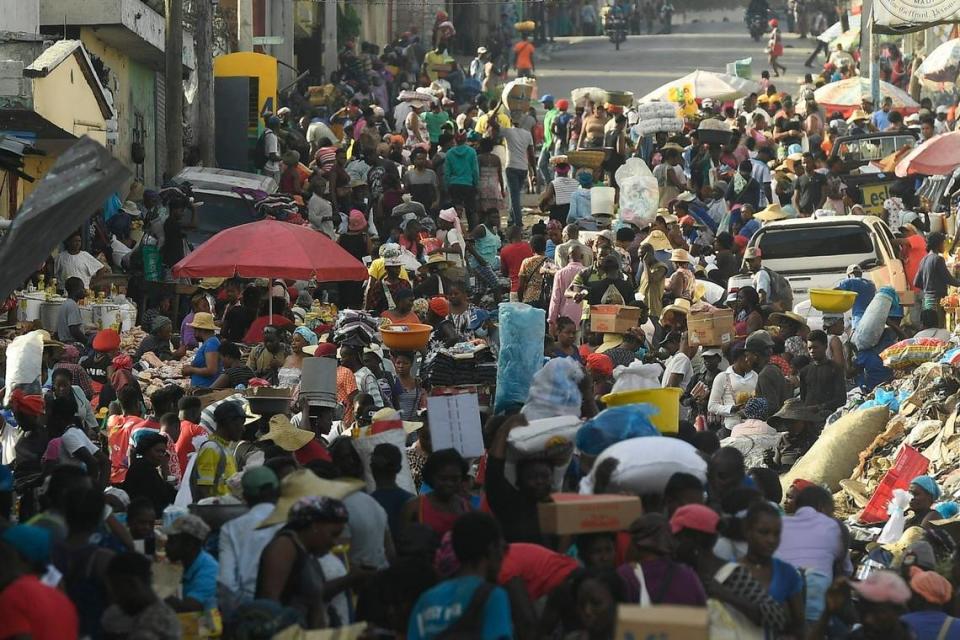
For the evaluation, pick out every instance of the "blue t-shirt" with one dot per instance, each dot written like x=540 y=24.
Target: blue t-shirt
x=865 y=291
x=210 y=345
x=927 y=624
x=443 y=605
x=200 y=580
x=785 y=581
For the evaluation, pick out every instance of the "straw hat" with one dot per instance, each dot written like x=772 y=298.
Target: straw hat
x=610 y=341
x=285 y=435
x=858 y=114
x=680 y=255
x=204 y=321
x=436 y=259
x=303 y=483
x=389 y=418
x=211 y=283
x=658 y=240
x=680 y=305
x=671 y=146
x=771 y=213
x=48 y=341
x=789 y=315
x=131 y=208
x=795 y=410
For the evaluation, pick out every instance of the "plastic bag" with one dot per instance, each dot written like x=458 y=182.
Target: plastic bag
x=870 y=328
x=555 y=390
x=644 y=465
x=364 y=447
x=521 y=353
x=884 y=398
x=912 y=352
x=24 y=358
x=615 y=424
x=636 y=376
x=893 y=529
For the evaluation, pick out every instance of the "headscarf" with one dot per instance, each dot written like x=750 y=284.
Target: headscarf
x=31 y=542
x=585 y=179
x=599 y=364
x=440 y=306
x=928 y=484
x=325 y=350
x=312 y=509
x=306 y=334
x=122 y=361
x=159 y=322
x=28 y=405
x=450 y=215
x=561 y=169
x=756 y=409
x=930 y=586
x=71 y=355
x=356 y=221
x=325 y=158
x=800 y=484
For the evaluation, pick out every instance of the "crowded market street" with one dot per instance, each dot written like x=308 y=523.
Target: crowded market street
x=526 y=319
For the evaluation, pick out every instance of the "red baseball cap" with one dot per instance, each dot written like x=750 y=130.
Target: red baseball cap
x=696 y=517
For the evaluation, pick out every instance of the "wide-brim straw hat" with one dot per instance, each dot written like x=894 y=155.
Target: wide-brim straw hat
x=302 y=484
x=795 y=410
x=204 y=321
x=790 y=315
x=285 y=435
x=771 y=213
x=680 y=305
x=680 y=255
x=658 y=240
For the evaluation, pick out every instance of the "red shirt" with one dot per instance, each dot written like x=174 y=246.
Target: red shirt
x=255 y=333
x=184 y=446
x=913 y=251
x=30 y=608
x=541 y=569
x=511 y=257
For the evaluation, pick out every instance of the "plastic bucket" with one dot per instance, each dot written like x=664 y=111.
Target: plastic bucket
x=601 y=200
x=667 y=419
x=50 y=314
x=28 y=306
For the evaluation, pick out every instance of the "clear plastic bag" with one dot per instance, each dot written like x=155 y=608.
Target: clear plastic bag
x=636 y=376
x=555 y=390
x=893 y=529
x=522 y=328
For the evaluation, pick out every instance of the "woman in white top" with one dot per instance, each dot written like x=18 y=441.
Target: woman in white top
x=450 y=233
x=732 y=388
x=72 y=262
x=556 y=197
x=416 y=127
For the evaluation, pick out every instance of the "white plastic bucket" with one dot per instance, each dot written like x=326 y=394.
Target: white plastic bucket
x=601 y=200
x=128 y=316
x=50 y=314
x=86 y=315
x=28 y=306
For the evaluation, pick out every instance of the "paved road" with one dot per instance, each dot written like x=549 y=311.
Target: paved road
x=644 y=63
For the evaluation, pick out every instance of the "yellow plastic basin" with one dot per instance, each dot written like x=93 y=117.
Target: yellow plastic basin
x=832 y=300
x=667 y=400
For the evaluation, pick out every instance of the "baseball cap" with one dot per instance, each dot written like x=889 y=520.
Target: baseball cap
x=852 y=268
x=546 y=98
x=752 y=252
x=942 y=109
x=257 y=479
x=759 y=340
x=711 y=352
x=696 y=517
x=188 y=525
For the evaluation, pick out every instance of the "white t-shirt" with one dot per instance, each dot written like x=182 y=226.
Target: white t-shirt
x=271 y=145
x=317 y=131
x=677 y=363
x=761 y=282
x=333 y=569
x=83 y=266
x=518 y=141
x=320 y=215
x=72 y=441
x=366 y=530
x=451 y=238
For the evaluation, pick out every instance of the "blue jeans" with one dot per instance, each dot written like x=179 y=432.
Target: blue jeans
x=515 y=180
x=544 y=171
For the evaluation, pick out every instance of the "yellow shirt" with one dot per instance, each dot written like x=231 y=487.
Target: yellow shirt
x=215 y=456
x=483 y=122
x=377 y=270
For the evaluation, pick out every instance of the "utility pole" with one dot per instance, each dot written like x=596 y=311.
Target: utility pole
x=203 y=48
x=245 y=25
x=173 y=49
x=868 y=57
x=330 y=47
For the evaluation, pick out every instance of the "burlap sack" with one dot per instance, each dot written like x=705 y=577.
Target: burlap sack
x=835 y=454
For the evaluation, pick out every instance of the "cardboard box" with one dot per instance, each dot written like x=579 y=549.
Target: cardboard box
x=661 y=622
x=613 y=318
x=710 y=328
x=575 y=513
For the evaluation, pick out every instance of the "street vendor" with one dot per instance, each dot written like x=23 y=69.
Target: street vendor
x=799 y=425
x=206 y=366
x=924 y=491
x=73 y=262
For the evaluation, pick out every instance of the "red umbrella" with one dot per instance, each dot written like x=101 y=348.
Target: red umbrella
x=939 y=155
x=271 y=249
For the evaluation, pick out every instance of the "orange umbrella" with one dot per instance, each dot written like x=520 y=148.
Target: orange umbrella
x=937 y=156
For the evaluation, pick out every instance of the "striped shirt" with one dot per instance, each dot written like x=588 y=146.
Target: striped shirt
x=563 y=188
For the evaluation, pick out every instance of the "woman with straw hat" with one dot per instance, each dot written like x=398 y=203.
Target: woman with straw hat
x=206 y=366
x=682 y=283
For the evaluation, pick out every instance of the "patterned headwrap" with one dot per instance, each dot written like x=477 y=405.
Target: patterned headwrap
x=440 y=306
x=599 y=364
x=756 y=409
x=28 y=405
x=306 y=334
x=311 y=509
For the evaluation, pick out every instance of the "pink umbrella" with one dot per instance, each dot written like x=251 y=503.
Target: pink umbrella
x=937 y=156
x=271 y=249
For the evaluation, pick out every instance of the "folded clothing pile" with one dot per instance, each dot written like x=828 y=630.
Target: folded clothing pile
x=356 y=328
x=464 y=363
